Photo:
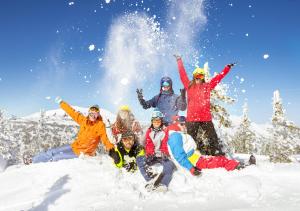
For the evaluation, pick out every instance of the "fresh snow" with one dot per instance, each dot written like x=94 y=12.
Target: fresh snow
x=91 y=47
x=96 y=184
x=59 y=115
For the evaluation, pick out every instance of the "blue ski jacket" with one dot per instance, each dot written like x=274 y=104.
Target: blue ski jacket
x=167 y=102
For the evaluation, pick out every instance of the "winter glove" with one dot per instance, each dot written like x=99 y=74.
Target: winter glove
x=232 y=64
x=195 y=171
x=140 y=93
x=130 y=166
x=114 y=155
x=177 y=56
x=58 y=100
x=182 y=93
x=164 y=157
x=150 y=159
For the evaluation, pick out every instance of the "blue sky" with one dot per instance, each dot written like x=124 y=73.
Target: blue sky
x=44 y=51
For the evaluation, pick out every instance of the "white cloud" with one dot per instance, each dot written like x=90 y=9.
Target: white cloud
x=266 y=56
x=48 y=98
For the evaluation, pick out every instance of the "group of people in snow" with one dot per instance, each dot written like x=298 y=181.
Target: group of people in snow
x=170 y=141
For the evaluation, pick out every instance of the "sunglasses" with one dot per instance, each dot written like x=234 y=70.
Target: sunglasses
x=199 y=76
x=93 y=114
x=182 y=124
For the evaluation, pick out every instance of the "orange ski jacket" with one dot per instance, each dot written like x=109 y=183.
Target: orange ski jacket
x=90 y=133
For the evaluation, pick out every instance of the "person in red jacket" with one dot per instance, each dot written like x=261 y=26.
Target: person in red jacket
x=156 y=149
x=198 y=107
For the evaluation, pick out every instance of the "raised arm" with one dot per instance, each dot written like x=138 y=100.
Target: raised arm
x=75 y=115
x=182 y=73
x=215 y=80
x=143 y=102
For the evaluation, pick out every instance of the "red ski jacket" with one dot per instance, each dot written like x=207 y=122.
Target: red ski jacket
x=198 y=95
x=156 y=142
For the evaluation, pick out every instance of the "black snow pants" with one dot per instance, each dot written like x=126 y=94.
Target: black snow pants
x=214 y=148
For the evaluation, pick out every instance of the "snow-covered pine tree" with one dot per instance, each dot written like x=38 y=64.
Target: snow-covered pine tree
x=282 y=144
x=218 y=97
x=243 y=141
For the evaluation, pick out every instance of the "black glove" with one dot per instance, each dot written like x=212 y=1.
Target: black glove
x=140 y=93
x=150 y=159
x=177 y=56
x=182 y=93
x=130 y=166
x=195 y=171
x=232 y=64
x=164 y=157
x=114 y=155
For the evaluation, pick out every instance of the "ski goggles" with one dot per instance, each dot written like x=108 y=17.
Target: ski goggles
x=93 y=114
x=165 y=84
x=199 y=76
x=181 y=119
x=94 y=109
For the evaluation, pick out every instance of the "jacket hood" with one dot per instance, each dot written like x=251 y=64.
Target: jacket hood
x=166 y=79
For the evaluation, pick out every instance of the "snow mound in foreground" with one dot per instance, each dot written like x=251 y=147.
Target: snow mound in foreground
x=95 y=184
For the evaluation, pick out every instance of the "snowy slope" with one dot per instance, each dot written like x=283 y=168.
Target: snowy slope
x=95 y=184
x=59 y=114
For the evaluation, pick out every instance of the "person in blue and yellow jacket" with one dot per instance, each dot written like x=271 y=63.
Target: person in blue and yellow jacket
x=183 y=151
x=129 y=154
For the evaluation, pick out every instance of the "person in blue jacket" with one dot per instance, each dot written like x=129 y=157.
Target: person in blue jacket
x=183 y=151
x=166 y=101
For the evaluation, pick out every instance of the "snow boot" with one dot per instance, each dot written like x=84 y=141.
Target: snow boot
x=160 y=188
x=154 y=182
x=27 y=157
x=252 y=160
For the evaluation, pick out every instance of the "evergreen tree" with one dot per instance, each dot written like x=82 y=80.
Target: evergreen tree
x=283 y=141
x=243 y=140
x=218 y=97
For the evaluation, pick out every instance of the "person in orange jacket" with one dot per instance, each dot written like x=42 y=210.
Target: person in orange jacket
x=92 y=130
